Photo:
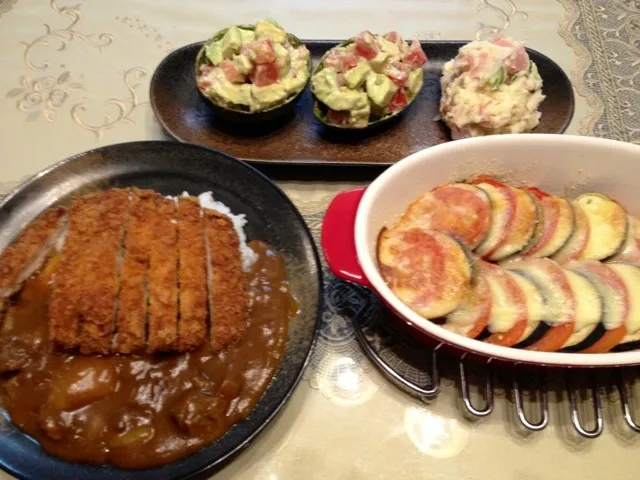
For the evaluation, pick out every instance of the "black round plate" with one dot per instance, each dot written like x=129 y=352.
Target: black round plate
x=171 y=168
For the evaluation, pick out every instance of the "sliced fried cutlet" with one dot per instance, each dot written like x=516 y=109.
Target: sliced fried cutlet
x=68 y=285
x=29 y=251
x=227 y=282
x=192 y=275
x=162 y=277
x=131 y=320
x=100 y=270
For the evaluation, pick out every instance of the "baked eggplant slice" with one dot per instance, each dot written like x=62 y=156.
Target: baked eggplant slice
x=429 y=271
x=629 y=251
x=558 y=294
x=556 y=226
x=516 y=216
x=508 y=317
x=577 y=242
x=472 y=316
x=607 y=225
x=615 y=298
x=630 y=275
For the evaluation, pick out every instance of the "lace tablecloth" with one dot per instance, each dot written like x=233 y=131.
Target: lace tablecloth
x=74 y=76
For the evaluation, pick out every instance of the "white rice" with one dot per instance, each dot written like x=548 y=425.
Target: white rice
x=206 y=199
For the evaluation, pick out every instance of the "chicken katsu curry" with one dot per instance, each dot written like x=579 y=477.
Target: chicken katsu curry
x=137 y=328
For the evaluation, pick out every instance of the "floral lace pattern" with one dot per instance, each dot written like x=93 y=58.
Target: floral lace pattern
x=606 y=38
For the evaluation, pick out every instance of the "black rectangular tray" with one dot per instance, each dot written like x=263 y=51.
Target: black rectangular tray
x=187 y=117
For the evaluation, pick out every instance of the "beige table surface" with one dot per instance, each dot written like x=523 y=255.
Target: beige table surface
x=75 y=76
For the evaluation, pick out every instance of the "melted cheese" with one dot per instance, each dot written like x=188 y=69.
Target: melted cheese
x=505 y=313
x=630 y=275
x=588 y=301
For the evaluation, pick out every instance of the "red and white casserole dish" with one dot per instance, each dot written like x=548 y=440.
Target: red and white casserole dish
x=561 y=165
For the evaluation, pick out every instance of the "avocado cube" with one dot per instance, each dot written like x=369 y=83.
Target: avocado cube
x=414 y=81
x=379 y=61
x=345 y=99
x=231 y=42
x=324 y=82
x=380 y=89
x=248 y=36
x=243 y=64
x=269 y=95
x=266 y=29
x=360 y=117
x=283 y=60
x=355 y=77
x=388 y=47
x=213 y=51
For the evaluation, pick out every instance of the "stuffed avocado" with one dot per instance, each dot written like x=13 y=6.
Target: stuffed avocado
x=490 y=87
x=367 y=79
x=252 y=68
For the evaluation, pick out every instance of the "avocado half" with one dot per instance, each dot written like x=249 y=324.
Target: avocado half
x=241 y=114
x=320 y=109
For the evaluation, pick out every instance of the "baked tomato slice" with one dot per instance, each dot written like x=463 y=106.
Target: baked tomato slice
x=428 y=271
x=264 y=75
x=415 y=56
x=337 y=117
x=231 y=73
x=366 y=45
x=508 y=319
x=397 y=102
x=459 y=209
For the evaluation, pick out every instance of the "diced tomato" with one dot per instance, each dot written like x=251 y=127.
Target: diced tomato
x=265 y=74
x=395 y=37
x=398 y=72
x=415 y=56
x=231 y=72
x=341 y=61
x=366 y=45
x=398 y=102
x=337 y=117
x=206 y=69
x=260 y=51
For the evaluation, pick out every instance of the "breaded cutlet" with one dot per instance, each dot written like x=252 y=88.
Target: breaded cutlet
x=162 y=277
x=27 y=246
x=131 y=318
x=227 y=282
x=74 y=273
x=101 y=277
x=192 y=275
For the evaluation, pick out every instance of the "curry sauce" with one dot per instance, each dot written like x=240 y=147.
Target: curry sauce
x=145 y=410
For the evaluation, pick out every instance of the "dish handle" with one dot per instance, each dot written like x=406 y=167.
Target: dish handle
x=338 y=240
